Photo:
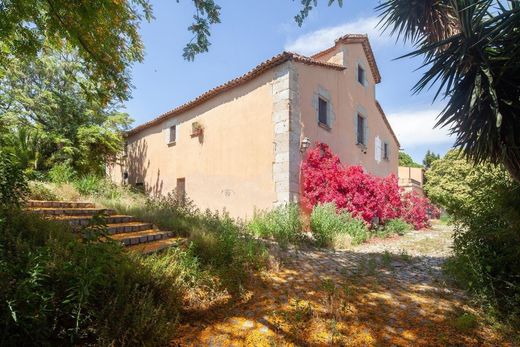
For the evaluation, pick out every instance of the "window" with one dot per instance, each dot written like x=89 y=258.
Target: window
x=323 y=118
x=361 y=125
x=361 y=75
x=125 y=149
x=181 y=189
x=386 y=151
x=173 y=134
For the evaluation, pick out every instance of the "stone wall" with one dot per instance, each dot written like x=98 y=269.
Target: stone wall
x=287 y=130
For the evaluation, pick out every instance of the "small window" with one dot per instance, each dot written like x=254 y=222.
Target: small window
x=125 y=149
x=361 y=75
x=173 y=134
x=385 y=151
x=181 y=189
x=361 y=124
x=323 y=112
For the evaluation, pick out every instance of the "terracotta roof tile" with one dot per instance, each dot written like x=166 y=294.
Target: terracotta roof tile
x=259 y=69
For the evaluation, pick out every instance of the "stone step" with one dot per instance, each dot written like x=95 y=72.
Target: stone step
x=83 y=211
x=78 y=221
x=129 y=227
x=59 y=204
x=156 y=246
x=134 y=238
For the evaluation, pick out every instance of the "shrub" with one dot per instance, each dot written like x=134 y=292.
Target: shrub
x=372 y=198
x=396 y=226
x=415 y=210
x=13 y=184
x=62 y=173
x=482 y=201
x=39 y=191
x=333 y=228
x=283 y=223
x=96 y=185
x=56 y=289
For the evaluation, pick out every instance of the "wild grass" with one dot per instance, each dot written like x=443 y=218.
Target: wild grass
x=60 y=289
x=337 y=229
x=283 y=224
x=220 y=257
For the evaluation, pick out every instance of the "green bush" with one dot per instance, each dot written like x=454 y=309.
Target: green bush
x=56 y=289
x=333 y=228
x=483 y=203
x=283 y=223
x=396 y=226
x=13 y=184
x=39 y=191
x=62 y=173
x=99 y=186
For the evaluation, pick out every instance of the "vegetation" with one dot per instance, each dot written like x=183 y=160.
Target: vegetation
x=336 y=229
x=429 y=158
x=13 y=186
x=366 y=196
x=465 y=44
x=77 y=124
x=57 y=289
x=482 y=201
x=283 y=223
x=396 y=226
x=406 y=160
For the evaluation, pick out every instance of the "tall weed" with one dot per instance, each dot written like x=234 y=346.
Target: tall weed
x=283 y=223
x=333 y=228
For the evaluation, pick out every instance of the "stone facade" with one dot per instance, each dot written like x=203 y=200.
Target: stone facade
x=287 y=130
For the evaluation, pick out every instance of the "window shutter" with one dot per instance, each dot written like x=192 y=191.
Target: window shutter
x=377 y=149
x=365 y=123
x=355 y=128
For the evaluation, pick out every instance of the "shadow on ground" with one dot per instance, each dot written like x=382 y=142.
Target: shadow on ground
x=321 y=298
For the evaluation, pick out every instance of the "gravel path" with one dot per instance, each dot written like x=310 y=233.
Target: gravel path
x=388 y=292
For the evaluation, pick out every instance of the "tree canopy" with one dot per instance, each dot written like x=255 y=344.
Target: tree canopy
x=471 y=51
x=50 y=111
x=429 y=158
x=104 y=33
x=406 y=160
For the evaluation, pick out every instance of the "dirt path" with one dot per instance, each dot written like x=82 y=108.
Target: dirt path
x=386 y=293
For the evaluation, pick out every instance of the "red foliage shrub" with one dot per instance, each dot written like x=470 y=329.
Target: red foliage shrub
x=415 y=210
x=325 y=179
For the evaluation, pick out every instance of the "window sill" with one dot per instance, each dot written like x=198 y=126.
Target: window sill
x=324 y=126
x=362 y=147
x=173 y=143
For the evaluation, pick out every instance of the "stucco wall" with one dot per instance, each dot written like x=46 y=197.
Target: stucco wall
x=347 y=97
x=230 y=166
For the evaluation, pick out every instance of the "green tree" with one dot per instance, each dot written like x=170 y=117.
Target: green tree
x=54 y=113
x=429 y=158
x=104 y=33
x=483 y=203
x=406 y=160
x=472 y=55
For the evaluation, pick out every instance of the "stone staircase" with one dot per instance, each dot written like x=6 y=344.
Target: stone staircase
x=135 y=235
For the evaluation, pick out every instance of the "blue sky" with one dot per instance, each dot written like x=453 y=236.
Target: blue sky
x=253 y=31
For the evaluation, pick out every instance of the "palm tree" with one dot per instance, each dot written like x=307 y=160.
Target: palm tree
x=471 y=51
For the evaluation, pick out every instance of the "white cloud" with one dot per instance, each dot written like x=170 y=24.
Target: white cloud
x=415 y=128
x=321 y=39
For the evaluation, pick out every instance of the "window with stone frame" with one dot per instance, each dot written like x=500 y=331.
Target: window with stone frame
x=323 y=112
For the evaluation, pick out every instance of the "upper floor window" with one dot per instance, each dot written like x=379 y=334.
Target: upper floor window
x=386 y=151
x=361 y=123
x=361 y=75
x=323 y=113
x=173 y=134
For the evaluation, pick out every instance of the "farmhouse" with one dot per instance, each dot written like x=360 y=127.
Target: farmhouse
x=239 y=146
